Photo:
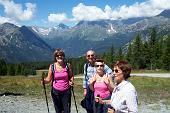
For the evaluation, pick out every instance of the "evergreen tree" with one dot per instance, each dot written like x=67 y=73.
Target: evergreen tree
x=152 y=46
x=120 y=55
x=166 y=55
x=18 y=69
x=11 y=69
x=112 y=54
x=129 y=54
x=146 y=55
x=137 y=52
x=3 y=67
x=159 y=52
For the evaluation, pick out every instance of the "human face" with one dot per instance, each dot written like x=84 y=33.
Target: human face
x=59 y=58
x=90 y=56
x=118 y=78
x=99 y=67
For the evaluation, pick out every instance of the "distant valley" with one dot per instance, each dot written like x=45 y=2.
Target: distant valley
x=32 y=43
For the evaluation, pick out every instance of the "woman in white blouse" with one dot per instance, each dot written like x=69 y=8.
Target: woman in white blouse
x=124 y=95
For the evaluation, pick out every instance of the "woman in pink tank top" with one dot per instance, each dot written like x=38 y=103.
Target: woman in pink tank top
x=61 y=76
x=102 y=85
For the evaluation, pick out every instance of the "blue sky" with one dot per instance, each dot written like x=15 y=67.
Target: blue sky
x=49 y=13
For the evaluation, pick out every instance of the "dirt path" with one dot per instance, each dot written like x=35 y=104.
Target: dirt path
x=164 y=75
x=21 y=104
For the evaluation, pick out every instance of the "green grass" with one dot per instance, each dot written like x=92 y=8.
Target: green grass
x=150 y=90
x=150 y=71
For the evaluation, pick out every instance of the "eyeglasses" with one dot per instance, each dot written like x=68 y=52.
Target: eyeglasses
x=115 y=70
x=99 y=65
x=90 y=55
x=59 y=55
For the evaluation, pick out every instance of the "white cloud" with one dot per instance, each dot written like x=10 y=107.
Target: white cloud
x=82 y=12
x=144 y=9
x=16 y=11
x=4 y=20
x=57 y=18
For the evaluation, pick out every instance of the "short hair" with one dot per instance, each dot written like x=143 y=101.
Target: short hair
x=99 y=60
x=58 y=52
x=125 y=67
x=91 y=51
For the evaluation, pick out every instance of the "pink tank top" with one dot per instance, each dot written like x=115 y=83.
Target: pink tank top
x=61 y=81
x=100 y=88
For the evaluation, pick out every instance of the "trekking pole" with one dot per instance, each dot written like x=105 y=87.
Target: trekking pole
x=45 y=92
x=74 y=98
x=97 y=103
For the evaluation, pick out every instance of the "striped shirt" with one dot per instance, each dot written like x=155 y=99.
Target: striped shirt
x=124 y=98
x=91 y=70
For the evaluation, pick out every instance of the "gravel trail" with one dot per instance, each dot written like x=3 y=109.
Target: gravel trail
x=21 y=104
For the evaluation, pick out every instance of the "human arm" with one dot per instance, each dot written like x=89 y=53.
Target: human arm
x=84 y=79
x=107 y=102
x=49 y=76
x=125 y=101
x=85 y=91
x=92 y=81
x=131 y=101
x=109 y=82
x=71 y=75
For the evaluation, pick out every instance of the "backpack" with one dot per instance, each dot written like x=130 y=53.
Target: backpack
x=53 y=69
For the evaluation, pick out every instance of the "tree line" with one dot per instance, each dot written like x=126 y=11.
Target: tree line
x=142 y=53
x=25 y=69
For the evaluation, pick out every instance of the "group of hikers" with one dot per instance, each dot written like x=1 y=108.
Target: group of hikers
x=105 y=90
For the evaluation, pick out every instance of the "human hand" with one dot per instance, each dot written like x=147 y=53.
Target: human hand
x=71 y=83
x=106 y=80
x=92 y=80
x=97 y=98
x=42 y=80
x=85 y=92
x=109 y=110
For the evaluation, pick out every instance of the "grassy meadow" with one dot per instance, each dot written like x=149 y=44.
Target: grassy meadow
x=150 y=90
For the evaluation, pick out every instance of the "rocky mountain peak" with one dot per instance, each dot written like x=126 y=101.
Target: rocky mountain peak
x=165 y=13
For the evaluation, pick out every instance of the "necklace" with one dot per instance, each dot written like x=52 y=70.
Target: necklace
x=59 y=67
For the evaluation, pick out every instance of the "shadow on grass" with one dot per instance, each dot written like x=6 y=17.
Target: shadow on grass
x=10 y=94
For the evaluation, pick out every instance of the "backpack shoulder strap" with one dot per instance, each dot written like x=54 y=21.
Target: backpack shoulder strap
x=86 y=66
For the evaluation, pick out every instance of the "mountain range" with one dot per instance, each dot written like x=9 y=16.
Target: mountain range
x=32 y=43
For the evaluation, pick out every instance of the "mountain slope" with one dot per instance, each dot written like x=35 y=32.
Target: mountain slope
x=165 y=13
x=100 y=35
x=22 y=45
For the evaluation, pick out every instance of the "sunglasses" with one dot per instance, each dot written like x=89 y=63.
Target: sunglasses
x=115 y=70
x=99 y=65
x=90 y=55
x=59 y=55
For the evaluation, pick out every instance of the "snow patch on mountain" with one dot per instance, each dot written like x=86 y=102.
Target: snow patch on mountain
x=111 y=29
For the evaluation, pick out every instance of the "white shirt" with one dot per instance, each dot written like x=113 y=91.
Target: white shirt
x=124 y=98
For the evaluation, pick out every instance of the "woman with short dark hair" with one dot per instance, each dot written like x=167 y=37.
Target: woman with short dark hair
x=124 y=95
x=102 y=85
